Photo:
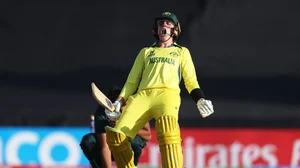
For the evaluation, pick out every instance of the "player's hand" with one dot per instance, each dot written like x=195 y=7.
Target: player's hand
x=205 y=107
x=117 y=104
x=113 y=116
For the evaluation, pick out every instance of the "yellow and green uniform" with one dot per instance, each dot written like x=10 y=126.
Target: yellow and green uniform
x=156 y=67
x=155 y=76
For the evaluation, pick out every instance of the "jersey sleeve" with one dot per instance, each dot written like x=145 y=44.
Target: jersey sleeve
x=188 y=71
x=134 y=76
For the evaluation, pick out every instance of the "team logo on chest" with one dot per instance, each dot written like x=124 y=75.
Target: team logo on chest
x=174 y=54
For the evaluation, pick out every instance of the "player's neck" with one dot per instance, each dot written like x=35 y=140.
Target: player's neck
x=165 y=44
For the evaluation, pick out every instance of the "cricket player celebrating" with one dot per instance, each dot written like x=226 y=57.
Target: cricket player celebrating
x=94 y=145
x=156 y=74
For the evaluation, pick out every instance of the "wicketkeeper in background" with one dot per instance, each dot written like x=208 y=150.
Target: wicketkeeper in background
x=156 y=74
x=94 y=145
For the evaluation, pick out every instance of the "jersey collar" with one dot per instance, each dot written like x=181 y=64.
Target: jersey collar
x=172 y=45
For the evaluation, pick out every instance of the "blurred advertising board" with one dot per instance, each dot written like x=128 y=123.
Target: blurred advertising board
x=42 y=146
x=201 y=147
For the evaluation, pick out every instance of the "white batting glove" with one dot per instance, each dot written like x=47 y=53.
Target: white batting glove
x=113 y=116
x=117 y=104
x=205 y=107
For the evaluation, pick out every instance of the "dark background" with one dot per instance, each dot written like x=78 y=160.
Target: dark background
x=246 y=54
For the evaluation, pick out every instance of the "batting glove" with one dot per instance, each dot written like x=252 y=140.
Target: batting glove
x=205 y=107
x=117 y=104
x=113 y=116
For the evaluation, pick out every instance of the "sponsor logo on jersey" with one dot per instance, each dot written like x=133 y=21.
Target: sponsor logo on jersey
x=151 y=53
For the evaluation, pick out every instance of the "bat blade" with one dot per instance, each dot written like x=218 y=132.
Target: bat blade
x=101 y=98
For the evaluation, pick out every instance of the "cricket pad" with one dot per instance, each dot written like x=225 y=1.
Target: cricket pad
x=168 y=137
x=120 y=147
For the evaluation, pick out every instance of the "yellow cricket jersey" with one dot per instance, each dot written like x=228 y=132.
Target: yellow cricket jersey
x=156 y=67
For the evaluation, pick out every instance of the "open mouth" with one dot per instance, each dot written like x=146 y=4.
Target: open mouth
x=163 y=32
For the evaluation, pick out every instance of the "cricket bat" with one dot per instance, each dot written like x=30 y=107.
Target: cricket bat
x=101 y=98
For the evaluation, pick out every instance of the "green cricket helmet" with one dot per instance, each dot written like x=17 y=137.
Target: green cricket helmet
x=167 y=16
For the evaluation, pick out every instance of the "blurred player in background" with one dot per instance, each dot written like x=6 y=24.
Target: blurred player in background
x=156 y=75
x=94 y=145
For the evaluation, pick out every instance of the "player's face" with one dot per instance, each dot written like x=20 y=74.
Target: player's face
x=165 y=29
